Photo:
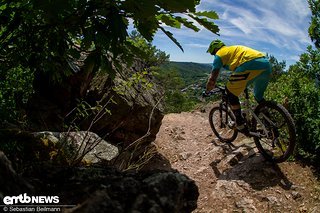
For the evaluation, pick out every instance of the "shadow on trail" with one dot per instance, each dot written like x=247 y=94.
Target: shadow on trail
x=243 y=163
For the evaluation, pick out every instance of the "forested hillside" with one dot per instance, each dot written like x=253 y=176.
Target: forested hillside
x=189 y=71
x=184 y=83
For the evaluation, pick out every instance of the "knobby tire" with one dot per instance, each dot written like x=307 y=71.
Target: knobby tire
x=279 y=114
x=224 y=133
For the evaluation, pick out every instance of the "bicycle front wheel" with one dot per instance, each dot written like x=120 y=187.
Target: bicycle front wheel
x=222 y=123
x=279 y=142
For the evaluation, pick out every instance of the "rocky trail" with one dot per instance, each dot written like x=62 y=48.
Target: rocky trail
x=233 y=178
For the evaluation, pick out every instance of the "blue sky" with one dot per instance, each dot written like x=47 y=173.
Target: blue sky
x=279 y=28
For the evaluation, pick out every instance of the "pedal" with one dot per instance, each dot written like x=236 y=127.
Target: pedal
x=232 y=124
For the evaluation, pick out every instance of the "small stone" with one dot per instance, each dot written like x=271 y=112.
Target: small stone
x=184 y=155
x=303 y=209
x=246 y=205
x=296 y=195
x=179 y=137
x=294 y=187
x=271 y=199
x=201 y=169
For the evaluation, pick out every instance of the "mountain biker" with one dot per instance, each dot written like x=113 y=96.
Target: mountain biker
x=247 y=66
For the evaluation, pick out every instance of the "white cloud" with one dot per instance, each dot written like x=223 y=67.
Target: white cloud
x=274 y=26
x=196 y=45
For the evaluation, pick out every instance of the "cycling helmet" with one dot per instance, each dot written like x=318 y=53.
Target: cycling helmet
x=215 y=44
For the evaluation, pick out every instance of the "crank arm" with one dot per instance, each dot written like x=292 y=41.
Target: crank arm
x=256 y=134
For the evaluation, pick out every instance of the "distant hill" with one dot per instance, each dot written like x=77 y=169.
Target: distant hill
x=190 y=72
x=184 y=82
x=193 y=73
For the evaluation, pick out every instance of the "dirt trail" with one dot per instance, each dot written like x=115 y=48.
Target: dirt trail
x=233 y=178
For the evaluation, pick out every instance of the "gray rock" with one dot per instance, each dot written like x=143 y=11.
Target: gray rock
x=134 y=110
x=246 y=205
x=154 y=192
x=295 y=195
x=81 y=144
x=185 y=155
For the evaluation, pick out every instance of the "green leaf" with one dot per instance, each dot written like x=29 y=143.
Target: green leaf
x=207 y=24
x=3 y=7
x=187 y=23
x=178 y=5
x=170 y=35
x=169 y=20
x=147 y=28
x=208 y=14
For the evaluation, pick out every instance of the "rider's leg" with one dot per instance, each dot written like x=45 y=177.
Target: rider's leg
x=236 y=109
x=261 y=82
x=235 y=86
x=260 y=85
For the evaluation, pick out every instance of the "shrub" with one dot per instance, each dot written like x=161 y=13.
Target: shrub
x=15 y=89
x=301 y=96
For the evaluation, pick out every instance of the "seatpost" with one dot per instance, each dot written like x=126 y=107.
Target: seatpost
x=246 y=101
x=246 y=93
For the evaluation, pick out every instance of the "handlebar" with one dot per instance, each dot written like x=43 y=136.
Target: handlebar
x=217 y=90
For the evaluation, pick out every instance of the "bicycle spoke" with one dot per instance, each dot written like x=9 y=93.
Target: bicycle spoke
x=277 y=119
x=279 y=125
x=277 y=149
x=280 y=145
x=219 y=121
x=269 y=144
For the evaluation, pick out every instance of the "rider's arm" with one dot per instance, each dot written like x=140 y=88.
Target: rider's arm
x=212 y=79
x=216 y=66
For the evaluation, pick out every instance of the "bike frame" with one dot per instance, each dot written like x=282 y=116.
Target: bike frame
x=248 y=111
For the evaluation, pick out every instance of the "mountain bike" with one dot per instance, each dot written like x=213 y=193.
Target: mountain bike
x=269 y=123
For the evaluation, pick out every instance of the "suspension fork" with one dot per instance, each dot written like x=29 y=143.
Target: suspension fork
x=221 y=105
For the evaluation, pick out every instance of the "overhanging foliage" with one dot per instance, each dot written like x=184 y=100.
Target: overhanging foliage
x=44 y=34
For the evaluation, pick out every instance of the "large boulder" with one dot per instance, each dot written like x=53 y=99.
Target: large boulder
x=134 y=112
x=108 y=190
x=159 y=192
x=102 y=189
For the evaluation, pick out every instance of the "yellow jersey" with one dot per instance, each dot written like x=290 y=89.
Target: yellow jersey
x=231 y=57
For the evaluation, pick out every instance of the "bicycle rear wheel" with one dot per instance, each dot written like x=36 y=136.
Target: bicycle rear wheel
x=279 y=143
x=222 y=125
